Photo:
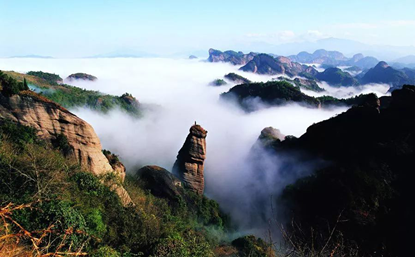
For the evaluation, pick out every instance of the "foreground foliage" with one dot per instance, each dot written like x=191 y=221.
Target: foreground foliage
x=49 y=205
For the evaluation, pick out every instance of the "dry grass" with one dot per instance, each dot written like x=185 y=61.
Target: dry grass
x=19 y=242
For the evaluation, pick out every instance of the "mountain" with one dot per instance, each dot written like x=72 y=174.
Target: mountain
x=334 y=58
x=336 y=77
x=346 y=46
x=383 y=73
x=320 y=56
x=364 y=63
x=255 y=96
x=236 y=58
x=269 y=93
x=266 y=64
x=361 y=186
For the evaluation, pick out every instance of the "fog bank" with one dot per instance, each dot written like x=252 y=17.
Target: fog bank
x=179 y=94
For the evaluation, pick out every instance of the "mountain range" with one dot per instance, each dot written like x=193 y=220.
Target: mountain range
x=370 y=70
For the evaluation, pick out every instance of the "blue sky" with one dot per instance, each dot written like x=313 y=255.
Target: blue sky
x=82 y=28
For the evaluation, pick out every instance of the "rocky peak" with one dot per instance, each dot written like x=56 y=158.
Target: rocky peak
x=382 y=65
x=357 y=57
x=270 y=136
x=190 y=160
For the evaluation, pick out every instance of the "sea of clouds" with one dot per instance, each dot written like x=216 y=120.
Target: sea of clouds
x=175 y=94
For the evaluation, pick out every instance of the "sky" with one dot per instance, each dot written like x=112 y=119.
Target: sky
x=85 y=28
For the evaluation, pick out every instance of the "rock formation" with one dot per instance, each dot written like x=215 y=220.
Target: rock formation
x=159 y=181
x=81 y=76
x=51 y=120
x=189 y=164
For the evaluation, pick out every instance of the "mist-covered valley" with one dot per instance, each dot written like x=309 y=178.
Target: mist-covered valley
x=173 y=95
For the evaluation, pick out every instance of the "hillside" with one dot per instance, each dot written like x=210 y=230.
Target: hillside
x=254 y=96
x=70 y=96
x=336 y=77
x=362 y=191
x=383 y=73
x=60 y=195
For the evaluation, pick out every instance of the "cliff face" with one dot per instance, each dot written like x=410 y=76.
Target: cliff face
x=51 y=120
x=190 y=160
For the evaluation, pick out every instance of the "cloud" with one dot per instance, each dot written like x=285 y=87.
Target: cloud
x=287 y=36
x=178 y=94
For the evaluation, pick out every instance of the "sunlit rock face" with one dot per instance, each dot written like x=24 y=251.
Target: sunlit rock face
x=190 y=160
x=51 y=120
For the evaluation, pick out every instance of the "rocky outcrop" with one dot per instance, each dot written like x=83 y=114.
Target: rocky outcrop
x=51 y=120
x=81 y=76
x=236 y=58
x=159 y=181
x=190 y=160
x=115 y=163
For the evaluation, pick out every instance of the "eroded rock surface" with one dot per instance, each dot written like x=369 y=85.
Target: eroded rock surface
x=51 y=120
x=190 y=160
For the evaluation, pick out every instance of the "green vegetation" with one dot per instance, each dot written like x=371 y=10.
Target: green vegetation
x=361 y=200
x=82 y=76
x=336 y=77
x=356 y=100
x=218 y=82
x=69 y=96
x=237 y=78
x=272 y=93
x=50 y=205
x=308 y=84
x=49 y=77
x=9 y=86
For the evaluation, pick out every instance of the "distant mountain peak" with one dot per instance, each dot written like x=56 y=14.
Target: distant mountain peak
x=382 y=64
